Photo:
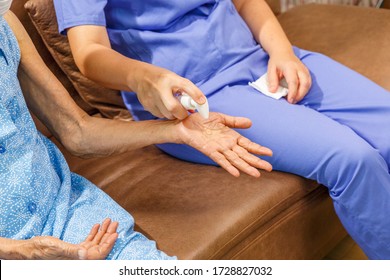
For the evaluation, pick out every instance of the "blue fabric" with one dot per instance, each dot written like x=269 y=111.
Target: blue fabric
x=338 y=134
x=177 y=39
x=38 y=193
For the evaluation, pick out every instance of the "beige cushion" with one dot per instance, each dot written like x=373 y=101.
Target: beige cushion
x=108 y=102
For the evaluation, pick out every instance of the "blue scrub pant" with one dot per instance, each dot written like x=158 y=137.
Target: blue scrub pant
x=338 y=135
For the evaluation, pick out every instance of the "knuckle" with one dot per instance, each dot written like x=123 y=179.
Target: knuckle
x=257 y=161
x=187 y=82
x=306 y=83
x=170 y=117
x=172 y=106
x=243 y=142
x=214 y=155
x=239 y=152
x=235 y=158
x=164 y=76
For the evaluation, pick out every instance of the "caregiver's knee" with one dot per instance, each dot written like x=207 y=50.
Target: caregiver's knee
x=351 y=164
x=359 y=157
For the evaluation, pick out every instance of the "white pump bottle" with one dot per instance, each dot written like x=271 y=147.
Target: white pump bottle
x=191 y=105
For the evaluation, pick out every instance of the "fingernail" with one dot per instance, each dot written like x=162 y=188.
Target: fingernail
x=271 y=86
x=82 y=254
x=202 y=99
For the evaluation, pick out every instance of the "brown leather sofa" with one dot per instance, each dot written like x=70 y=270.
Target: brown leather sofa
x=201 y=212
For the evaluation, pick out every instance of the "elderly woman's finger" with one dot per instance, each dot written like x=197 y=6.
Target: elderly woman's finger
x=253 y=147
x=93 y=232
x=240 y=164
x=111 y=230
x=252 y=159
x=221 y=160
x=235 y=122
x=103 y=229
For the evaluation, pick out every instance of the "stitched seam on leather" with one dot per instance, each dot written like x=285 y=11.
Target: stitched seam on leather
x=295 y=209
x=235 y=240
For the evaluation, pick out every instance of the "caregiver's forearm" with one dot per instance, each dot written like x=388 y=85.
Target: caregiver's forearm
x=264 y=25
x=94 y=57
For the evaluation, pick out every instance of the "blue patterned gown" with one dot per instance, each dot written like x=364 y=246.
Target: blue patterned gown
x=38 y=193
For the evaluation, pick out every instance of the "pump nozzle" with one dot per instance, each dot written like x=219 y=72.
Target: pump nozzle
x=190 y=104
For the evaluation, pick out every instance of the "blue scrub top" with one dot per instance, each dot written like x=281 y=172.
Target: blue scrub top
x=197 y=39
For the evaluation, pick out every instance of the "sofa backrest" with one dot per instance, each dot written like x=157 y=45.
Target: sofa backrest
x=19 y=10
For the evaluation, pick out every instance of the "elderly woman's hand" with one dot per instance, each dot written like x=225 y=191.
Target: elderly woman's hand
x=216 y=138
x=96 y=246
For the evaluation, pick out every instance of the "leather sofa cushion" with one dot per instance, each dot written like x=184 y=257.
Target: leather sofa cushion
x=357 y=37
x=200 y=212
x=108 y=102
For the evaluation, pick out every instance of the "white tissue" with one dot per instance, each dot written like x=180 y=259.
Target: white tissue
x=261 y=84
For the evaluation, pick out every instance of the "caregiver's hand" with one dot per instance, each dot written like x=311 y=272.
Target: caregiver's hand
x=156 y=88
x=216 y=138
x=96 y=246
x=287 y=65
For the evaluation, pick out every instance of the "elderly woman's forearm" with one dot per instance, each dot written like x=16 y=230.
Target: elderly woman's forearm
x=103 y=137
